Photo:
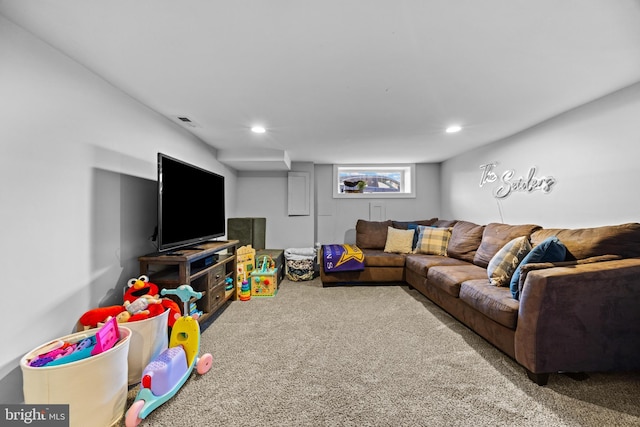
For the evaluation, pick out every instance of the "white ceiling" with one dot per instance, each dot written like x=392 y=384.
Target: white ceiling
x=348 y=81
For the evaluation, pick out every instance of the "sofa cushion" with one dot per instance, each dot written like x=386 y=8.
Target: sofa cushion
x=465 y=239
x=399 y=241
x=495 y=236
x=420 y=263
x=449 y=277
x=432 y=240
x=533 y=266
x=379 y=258
x=404 y=225
x=371 y=234
x=505 y=262
x=549 y=250
x=444 y=223
x=581 y=243
x=494 y=302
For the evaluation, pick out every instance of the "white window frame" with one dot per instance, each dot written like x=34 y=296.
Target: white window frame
x=407 y=185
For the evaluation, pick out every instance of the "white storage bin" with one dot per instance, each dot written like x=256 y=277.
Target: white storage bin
x=95 y=388
x=149 y=338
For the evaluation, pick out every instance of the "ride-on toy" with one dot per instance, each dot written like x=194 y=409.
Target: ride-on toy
x=164 y=375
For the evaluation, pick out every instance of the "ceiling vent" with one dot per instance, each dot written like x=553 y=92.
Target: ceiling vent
x=186 y=121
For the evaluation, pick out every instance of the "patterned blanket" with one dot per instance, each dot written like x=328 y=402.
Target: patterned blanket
x=342 y=258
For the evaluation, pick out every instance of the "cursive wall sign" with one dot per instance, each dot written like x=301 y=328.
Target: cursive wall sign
x=509 y=183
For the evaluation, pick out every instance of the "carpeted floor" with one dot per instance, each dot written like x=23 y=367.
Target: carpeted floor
x=374 y=356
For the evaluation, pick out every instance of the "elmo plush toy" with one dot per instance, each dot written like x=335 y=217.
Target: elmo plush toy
x=141 y=301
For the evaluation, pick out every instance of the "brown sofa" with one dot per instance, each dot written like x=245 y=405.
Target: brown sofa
x=581 y=314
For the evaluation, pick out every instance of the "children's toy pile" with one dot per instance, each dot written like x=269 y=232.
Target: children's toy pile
x=60 y=352
x=141 y=301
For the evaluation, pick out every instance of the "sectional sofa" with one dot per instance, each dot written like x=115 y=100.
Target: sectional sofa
x=555 y=300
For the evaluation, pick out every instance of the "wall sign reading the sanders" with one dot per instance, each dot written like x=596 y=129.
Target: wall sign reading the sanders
x=509 y=183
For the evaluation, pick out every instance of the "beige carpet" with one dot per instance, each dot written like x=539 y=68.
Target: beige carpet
x=375 y=356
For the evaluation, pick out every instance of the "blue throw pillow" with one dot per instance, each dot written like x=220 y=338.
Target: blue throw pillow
x=414 y=227
x=549 y=250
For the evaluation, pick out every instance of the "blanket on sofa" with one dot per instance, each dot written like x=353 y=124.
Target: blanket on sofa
x=342 y=258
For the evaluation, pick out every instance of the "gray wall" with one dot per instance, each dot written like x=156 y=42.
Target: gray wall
x=592 y=152
x=77 y=200
x=336 y=218
x=264 y=194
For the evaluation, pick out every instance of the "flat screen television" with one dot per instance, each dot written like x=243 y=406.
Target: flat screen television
x=190 y=204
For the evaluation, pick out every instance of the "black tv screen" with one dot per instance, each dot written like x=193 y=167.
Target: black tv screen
x=190 y=204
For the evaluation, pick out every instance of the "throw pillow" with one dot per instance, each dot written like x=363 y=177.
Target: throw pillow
x=506 y=260
x=549 y=250
x=495 y=236
x=399 y=241
x=432 y=241
x=414 y=227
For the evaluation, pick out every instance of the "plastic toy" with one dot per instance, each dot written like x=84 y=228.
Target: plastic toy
x=167 y=373
x=263 y=279
x=66 y=352
x=245 y=291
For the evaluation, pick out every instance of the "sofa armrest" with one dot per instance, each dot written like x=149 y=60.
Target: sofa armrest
x=525 y=269
x=581 y=317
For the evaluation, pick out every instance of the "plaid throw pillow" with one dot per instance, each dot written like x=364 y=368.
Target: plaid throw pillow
x=504 y=263
x=432 y=241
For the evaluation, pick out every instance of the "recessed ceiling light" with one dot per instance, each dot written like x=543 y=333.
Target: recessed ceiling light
x=453 y=129
x=258 y=129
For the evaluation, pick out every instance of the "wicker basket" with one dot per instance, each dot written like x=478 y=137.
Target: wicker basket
x=299 y=270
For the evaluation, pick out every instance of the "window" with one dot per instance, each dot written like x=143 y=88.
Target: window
x=379 y=181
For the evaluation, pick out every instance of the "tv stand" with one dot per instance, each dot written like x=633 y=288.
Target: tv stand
x=205 y=267
x=169 y=254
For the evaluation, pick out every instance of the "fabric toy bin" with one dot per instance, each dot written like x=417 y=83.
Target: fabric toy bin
x=149 y=337
x=300 y=263
x=95 y=388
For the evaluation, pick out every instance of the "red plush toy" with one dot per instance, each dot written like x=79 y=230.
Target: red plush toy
x=92 y=317
x=142 y=287
x=141 y=301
